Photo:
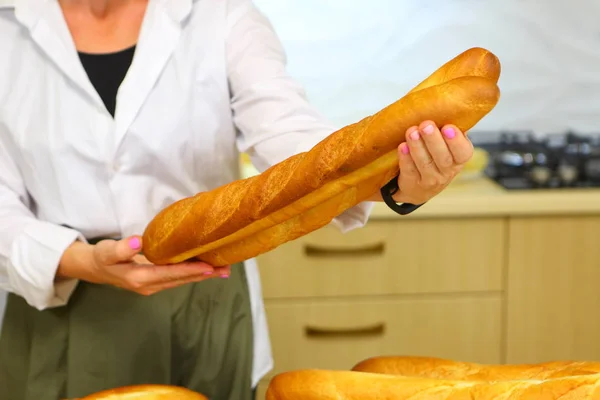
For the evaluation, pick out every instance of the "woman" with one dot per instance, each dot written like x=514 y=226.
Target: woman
x=109 y=111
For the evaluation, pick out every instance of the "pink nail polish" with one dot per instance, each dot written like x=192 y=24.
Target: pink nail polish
x=414 y=135
x=404 y=148
x=428 y=130
x=449 y=133
x=224 y=276
x=208 y=273
x=134 y=243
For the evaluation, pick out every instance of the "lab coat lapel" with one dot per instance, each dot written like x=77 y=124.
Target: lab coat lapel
x=159 y=37
x=48 y=29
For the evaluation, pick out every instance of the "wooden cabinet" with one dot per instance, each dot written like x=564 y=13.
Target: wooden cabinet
x=423 y=287
x=337 y=334
x=491 y=289
x=553 y=296
x=387 y=258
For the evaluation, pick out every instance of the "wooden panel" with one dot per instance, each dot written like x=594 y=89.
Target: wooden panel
x=338 y=334
x=389 y=257
x=553 y=289
x=261 y=390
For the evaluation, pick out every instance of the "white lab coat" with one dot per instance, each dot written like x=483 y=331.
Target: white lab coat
x=206 y=82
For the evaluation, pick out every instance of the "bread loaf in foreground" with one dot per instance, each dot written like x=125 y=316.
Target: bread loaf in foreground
x=305 y=192
x=439 y=368
x=435 y=379
x=146 y=392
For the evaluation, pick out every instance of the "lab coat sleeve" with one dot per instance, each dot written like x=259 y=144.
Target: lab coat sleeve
x=270 y=108
x=30 y=249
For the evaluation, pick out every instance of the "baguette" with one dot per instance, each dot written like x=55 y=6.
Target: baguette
x=439 y=368
x=305 y=192
x=354 y=385
x=146 y=392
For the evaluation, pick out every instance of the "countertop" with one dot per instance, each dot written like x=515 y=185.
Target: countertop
x=481 y=197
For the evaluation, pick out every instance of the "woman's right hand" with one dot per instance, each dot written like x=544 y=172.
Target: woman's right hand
x=119 y=263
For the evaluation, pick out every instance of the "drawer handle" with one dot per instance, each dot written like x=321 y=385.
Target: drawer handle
x=369 y=250
x=374 y=330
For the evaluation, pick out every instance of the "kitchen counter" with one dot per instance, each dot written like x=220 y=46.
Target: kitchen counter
x=481 y=197
x=479 y=273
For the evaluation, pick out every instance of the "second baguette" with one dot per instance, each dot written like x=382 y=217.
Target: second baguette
x=350 y=385
x=439 y=368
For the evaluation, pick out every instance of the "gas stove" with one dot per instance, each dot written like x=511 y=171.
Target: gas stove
x=520 y=160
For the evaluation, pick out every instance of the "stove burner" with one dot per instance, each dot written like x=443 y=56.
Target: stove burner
x=519 y=160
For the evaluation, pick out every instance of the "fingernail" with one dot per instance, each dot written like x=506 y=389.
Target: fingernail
x=208 y=273
x=134 y=243
x=449 y=133
x=414 y=135
x=428 y=130
x=224 y=276
x=404 y=148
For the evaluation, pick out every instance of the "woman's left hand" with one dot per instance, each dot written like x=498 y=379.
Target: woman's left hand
x=429 y=160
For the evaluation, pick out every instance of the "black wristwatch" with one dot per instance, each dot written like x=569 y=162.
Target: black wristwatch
x=388 y=191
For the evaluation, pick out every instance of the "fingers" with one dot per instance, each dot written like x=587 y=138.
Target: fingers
x=419 y=152
x=223 y=272
x=459 y=145
x=436 y=151
x=437 y=147
x=408 y=167
x=119 y=263
x=429 y=160
x=220 y=272
x=108 y=252
x=144 y=275
x=140 y=259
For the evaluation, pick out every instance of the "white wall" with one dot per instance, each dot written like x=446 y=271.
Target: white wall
x=356 y=56
x=355 y=59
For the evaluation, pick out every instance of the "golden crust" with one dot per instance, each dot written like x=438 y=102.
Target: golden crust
x=248 y=217
x=146 y=392
x=423 y=378
x=439 y=368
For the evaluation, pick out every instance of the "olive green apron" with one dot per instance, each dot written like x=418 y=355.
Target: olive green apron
x=198 y=336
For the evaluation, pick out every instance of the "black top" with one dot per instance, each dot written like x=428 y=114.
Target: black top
x=106 y=72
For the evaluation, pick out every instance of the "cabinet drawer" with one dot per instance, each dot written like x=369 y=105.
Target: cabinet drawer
x=389 y=257
x=339 y=334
